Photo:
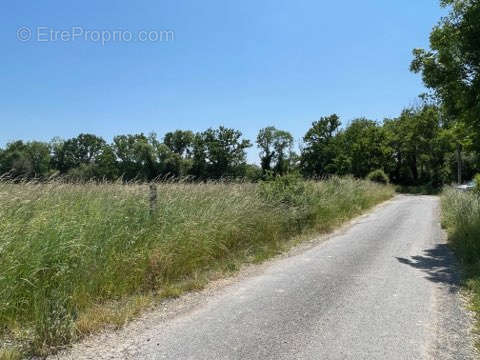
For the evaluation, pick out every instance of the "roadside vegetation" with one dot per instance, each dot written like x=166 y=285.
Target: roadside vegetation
x=461 y=218
x=80 y=254
x=75 y=258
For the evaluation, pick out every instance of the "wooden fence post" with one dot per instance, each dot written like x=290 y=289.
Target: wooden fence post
x=153 y=198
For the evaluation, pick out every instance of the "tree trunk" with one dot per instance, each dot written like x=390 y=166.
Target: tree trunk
x=414 y=169
x=459 y=164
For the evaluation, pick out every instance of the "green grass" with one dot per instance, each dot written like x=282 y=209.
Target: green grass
x=461 y=219
x=76 y=258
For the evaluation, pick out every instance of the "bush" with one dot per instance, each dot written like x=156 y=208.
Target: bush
x=378 y=176
x=289 y=190
x=476 y=179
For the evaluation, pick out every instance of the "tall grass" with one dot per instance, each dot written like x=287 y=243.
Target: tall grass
x=68 y=252
x=461 y=218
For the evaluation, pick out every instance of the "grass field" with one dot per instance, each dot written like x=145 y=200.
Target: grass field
x=461 y=218
x=76 y=258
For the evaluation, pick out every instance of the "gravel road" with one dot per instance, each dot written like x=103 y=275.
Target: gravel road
x=383 y=287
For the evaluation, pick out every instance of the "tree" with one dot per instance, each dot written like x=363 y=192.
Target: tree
x=283 y=151
x=319 y=151
x=219 y=153
x=275 y=150
x=363 y=145
x=418 y=142
x=26 y=160
x=180 y=142
x=56 y=149
x=83 y=149
x=14 y=160
x=265 y=139
x=175 y=154
x=136 y=157
x=199 y=157
x=451 y=67
x=106 y=165
x=38 y=154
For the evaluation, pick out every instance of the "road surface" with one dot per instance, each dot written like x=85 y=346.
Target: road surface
x=384 y=287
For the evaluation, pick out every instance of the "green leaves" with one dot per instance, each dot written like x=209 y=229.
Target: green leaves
x=219 y=153
x=31 y=159
x=417 y=148
x=451 y=67
x=275 y=150
x=320 y=147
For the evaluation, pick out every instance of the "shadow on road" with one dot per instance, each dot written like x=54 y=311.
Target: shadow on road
x=439 y=264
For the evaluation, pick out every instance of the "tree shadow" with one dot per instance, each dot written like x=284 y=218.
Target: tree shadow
x=439 y=264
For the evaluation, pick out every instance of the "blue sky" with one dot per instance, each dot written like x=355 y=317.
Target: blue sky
x=243 y=64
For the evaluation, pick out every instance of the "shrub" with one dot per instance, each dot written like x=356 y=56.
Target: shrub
x=290 y=190
x=378 y=176
x=476 y=179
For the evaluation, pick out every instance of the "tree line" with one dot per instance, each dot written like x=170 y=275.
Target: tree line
x=434 y=143
x=212 y=154
x=416 y=148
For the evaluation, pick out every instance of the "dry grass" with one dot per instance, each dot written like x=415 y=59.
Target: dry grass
x=115 y=314
x=76 y=258
x=10 y=354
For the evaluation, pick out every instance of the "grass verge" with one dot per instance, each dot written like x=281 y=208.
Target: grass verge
x=77 y=258
x=461 y=219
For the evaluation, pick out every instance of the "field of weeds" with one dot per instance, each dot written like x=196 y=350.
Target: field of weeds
x=75 y=258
